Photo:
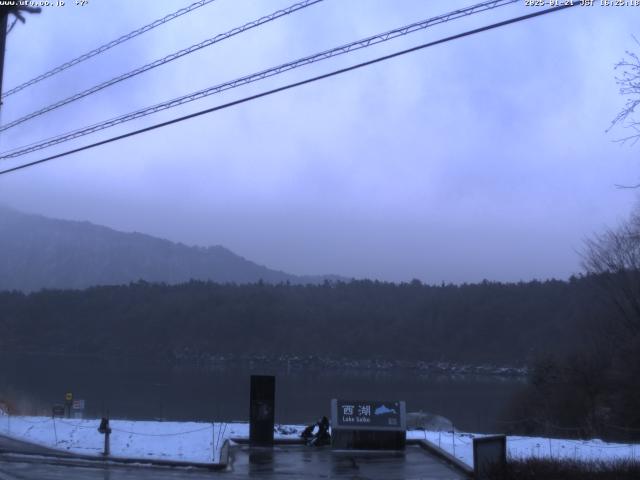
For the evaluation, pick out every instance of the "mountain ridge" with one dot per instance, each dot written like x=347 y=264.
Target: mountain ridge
x=39 y=252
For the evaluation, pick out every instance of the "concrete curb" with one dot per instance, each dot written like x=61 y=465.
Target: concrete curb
x=101 y=463
x=276 y=441
x=28 y=446
x=84 y=461
x=60 y=456
x=444 y=455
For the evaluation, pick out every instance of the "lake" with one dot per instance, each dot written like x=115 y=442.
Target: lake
x=130 y=389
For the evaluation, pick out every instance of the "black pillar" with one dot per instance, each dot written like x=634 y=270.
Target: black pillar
x=262 y=410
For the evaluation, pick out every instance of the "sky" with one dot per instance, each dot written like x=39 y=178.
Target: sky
x=481 y=158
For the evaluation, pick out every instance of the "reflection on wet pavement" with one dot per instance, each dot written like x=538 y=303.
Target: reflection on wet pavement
x=281 y=462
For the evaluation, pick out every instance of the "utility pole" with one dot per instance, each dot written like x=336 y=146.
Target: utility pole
x=17 y=11
x=4 y=16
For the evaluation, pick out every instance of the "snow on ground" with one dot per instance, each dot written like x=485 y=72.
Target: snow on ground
x=201 y=442
x=175 y=441
x=461 y=446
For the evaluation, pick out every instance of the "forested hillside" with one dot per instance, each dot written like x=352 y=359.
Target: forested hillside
x=39 y=252
x=487 y=322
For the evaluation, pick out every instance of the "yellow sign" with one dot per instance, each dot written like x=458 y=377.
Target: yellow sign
x=68 y=396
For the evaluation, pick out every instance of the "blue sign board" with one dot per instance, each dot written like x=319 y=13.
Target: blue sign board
x=368 y=415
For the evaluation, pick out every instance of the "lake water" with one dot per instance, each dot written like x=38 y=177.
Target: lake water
x=128 y=389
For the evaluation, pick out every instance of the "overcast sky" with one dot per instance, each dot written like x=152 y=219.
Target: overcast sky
x=485 y=157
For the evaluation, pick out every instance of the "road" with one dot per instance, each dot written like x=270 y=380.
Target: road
x=283 y=462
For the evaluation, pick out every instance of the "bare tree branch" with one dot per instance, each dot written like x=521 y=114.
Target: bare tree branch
x=613 y=258
x=13 y=24
x=17 y=11
x=628 y=82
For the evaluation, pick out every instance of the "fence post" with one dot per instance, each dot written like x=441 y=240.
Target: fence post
x=106 y=431
x=454 y=441
x=55 y=433
x=107 y=443
x=213 y=441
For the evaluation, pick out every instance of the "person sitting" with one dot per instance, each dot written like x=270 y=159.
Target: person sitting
x=320 y=438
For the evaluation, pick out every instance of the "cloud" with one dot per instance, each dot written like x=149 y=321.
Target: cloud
x=481 y=158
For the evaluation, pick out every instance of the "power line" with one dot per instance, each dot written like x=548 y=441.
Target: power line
x=162 y=61
x=341 y=50
x=292 y=85
x=107 y=46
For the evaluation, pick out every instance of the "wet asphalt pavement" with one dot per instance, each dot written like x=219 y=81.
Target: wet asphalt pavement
x=281 y=462
x=296 y=462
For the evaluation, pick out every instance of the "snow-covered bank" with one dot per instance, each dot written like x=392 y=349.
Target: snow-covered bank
x=176 y=441
x=192 y=442
x=461 y=446
x=202 y=442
